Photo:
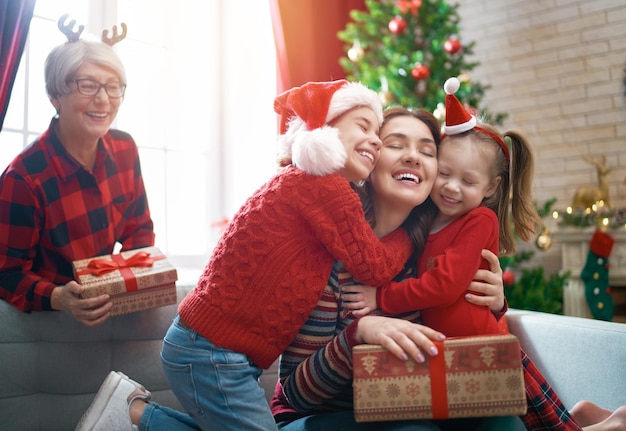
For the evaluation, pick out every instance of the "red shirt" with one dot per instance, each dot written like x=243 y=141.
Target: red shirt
x=54 y=211
x=446 y=267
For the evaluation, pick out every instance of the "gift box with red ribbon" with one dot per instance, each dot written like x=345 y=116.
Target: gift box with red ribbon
x=137 y=280
x=470 y=377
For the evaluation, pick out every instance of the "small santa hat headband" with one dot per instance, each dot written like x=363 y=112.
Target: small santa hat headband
x=458 y=120
x=305 y=112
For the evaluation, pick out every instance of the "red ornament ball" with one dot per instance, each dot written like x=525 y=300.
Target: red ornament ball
x=452 y=46
x=508 y=277
x=420 y=72
x=397 y=25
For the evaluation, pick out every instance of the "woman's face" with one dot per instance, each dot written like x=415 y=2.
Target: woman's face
x=88 y=117
x=358 y=130
x=407 y=167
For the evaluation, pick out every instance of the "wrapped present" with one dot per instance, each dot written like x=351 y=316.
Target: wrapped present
x=137 y=280
x=147 y=299
x=470 y=377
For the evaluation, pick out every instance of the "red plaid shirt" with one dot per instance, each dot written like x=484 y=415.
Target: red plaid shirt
x=54 y=211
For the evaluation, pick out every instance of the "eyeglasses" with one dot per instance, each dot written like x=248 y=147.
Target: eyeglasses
x=89 y=87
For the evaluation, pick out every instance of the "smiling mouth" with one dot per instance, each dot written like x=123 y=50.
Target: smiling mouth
x=97 y=114
x=367 y=155
x=449 y=200
x=407 y=177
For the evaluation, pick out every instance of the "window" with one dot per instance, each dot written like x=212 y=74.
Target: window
x=201 y=83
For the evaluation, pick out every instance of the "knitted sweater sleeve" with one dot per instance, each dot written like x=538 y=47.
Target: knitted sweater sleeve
x=451 y=273
x=318 y=374
x=333 y=211
x=316 y=369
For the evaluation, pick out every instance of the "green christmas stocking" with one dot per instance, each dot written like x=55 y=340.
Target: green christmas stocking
x=595 y=275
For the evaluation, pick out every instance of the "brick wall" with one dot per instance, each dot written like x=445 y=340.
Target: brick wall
x=557 y=68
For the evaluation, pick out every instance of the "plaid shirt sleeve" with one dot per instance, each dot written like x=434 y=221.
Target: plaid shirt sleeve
x=54 y=211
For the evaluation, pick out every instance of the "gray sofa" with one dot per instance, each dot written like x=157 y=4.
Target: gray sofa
x=52 y=366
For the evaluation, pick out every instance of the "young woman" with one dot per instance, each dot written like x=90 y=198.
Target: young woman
x=480 y=181
x=314 y=390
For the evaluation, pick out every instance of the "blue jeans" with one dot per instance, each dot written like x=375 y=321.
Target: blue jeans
x=217 y=387
x=160 y=418
x=344 y=421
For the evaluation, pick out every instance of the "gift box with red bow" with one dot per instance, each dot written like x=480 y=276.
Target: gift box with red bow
x=470 y=377
x=137 y=280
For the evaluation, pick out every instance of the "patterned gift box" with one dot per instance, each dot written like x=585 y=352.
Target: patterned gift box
x=137 y=280
x=470 y=377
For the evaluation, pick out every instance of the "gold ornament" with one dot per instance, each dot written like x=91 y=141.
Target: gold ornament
x=464 y=77
x=385 y=98
x=594 y=197
x=440 y=112
x=356 y=52
x=544 y=240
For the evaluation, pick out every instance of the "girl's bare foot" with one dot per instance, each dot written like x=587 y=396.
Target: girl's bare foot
x=615 y=422
x=587 y=413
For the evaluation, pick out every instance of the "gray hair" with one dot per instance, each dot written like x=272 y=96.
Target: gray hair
x=64 y=61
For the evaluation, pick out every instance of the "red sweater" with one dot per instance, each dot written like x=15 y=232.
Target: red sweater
x=272 y=263
x=446 y=267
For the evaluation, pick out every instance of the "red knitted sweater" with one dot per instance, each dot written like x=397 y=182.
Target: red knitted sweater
x=272 y=263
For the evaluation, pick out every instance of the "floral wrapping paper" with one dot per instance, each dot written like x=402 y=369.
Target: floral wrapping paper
x=471 y=377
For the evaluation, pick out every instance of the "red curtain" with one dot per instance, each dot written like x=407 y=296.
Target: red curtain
x=15 y=16
x=305 y=32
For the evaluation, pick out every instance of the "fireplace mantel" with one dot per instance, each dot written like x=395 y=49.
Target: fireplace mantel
x=574 y=249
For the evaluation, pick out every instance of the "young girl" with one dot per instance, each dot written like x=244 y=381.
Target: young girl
x=270 y=267
x=478 y=182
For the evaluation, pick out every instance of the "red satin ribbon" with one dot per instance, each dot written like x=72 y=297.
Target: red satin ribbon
x=438 y=385
x=405 y=5
x=100 y=267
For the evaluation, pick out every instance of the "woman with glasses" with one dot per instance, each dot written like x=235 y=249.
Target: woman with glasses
x=76 y=191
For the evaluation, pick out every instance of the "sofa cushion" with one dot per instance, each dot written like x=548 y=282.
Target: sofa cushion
x=53 y=362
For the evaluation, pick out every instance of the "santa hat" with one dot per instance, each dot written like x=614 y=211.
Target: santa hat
x=458 y=120
x=305 y=112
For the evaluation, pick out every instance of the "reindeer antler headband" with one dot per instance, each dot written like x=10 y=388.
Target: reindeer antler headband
x=73 y=36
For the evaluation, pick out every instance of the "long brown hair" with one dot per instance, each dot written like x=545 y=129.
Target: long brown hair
x=512 y=202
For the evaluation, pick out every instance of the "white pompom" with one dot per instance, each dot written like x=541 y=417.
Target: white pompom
x=451 y=86
x=319 y=151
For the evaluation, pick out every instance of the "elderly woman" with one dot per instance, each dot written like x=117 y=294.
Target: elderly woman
x=76 y=191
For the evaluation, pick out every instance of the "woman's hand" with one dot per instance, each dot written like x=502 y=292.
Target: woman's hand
x=491 y=285
x=402 y=338
x=359 y=298
x=89 y=311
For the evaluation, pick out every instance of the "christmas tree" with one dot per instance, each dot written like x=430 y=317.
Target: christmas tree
x=406 y=49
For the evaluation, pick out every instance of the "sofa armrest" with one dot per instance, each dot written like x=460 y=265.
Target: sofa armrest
x=582 y=359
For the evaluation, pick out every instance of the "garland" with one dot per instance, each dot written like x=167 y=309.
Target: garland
x=604 y=217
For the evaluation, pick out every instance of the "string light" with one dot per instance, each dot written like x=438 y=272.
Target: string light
x=598 y=215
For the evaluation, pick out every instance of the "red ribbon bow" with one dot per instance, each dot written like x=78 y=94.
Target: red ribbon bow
x=405 y=5
x=100 y=267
